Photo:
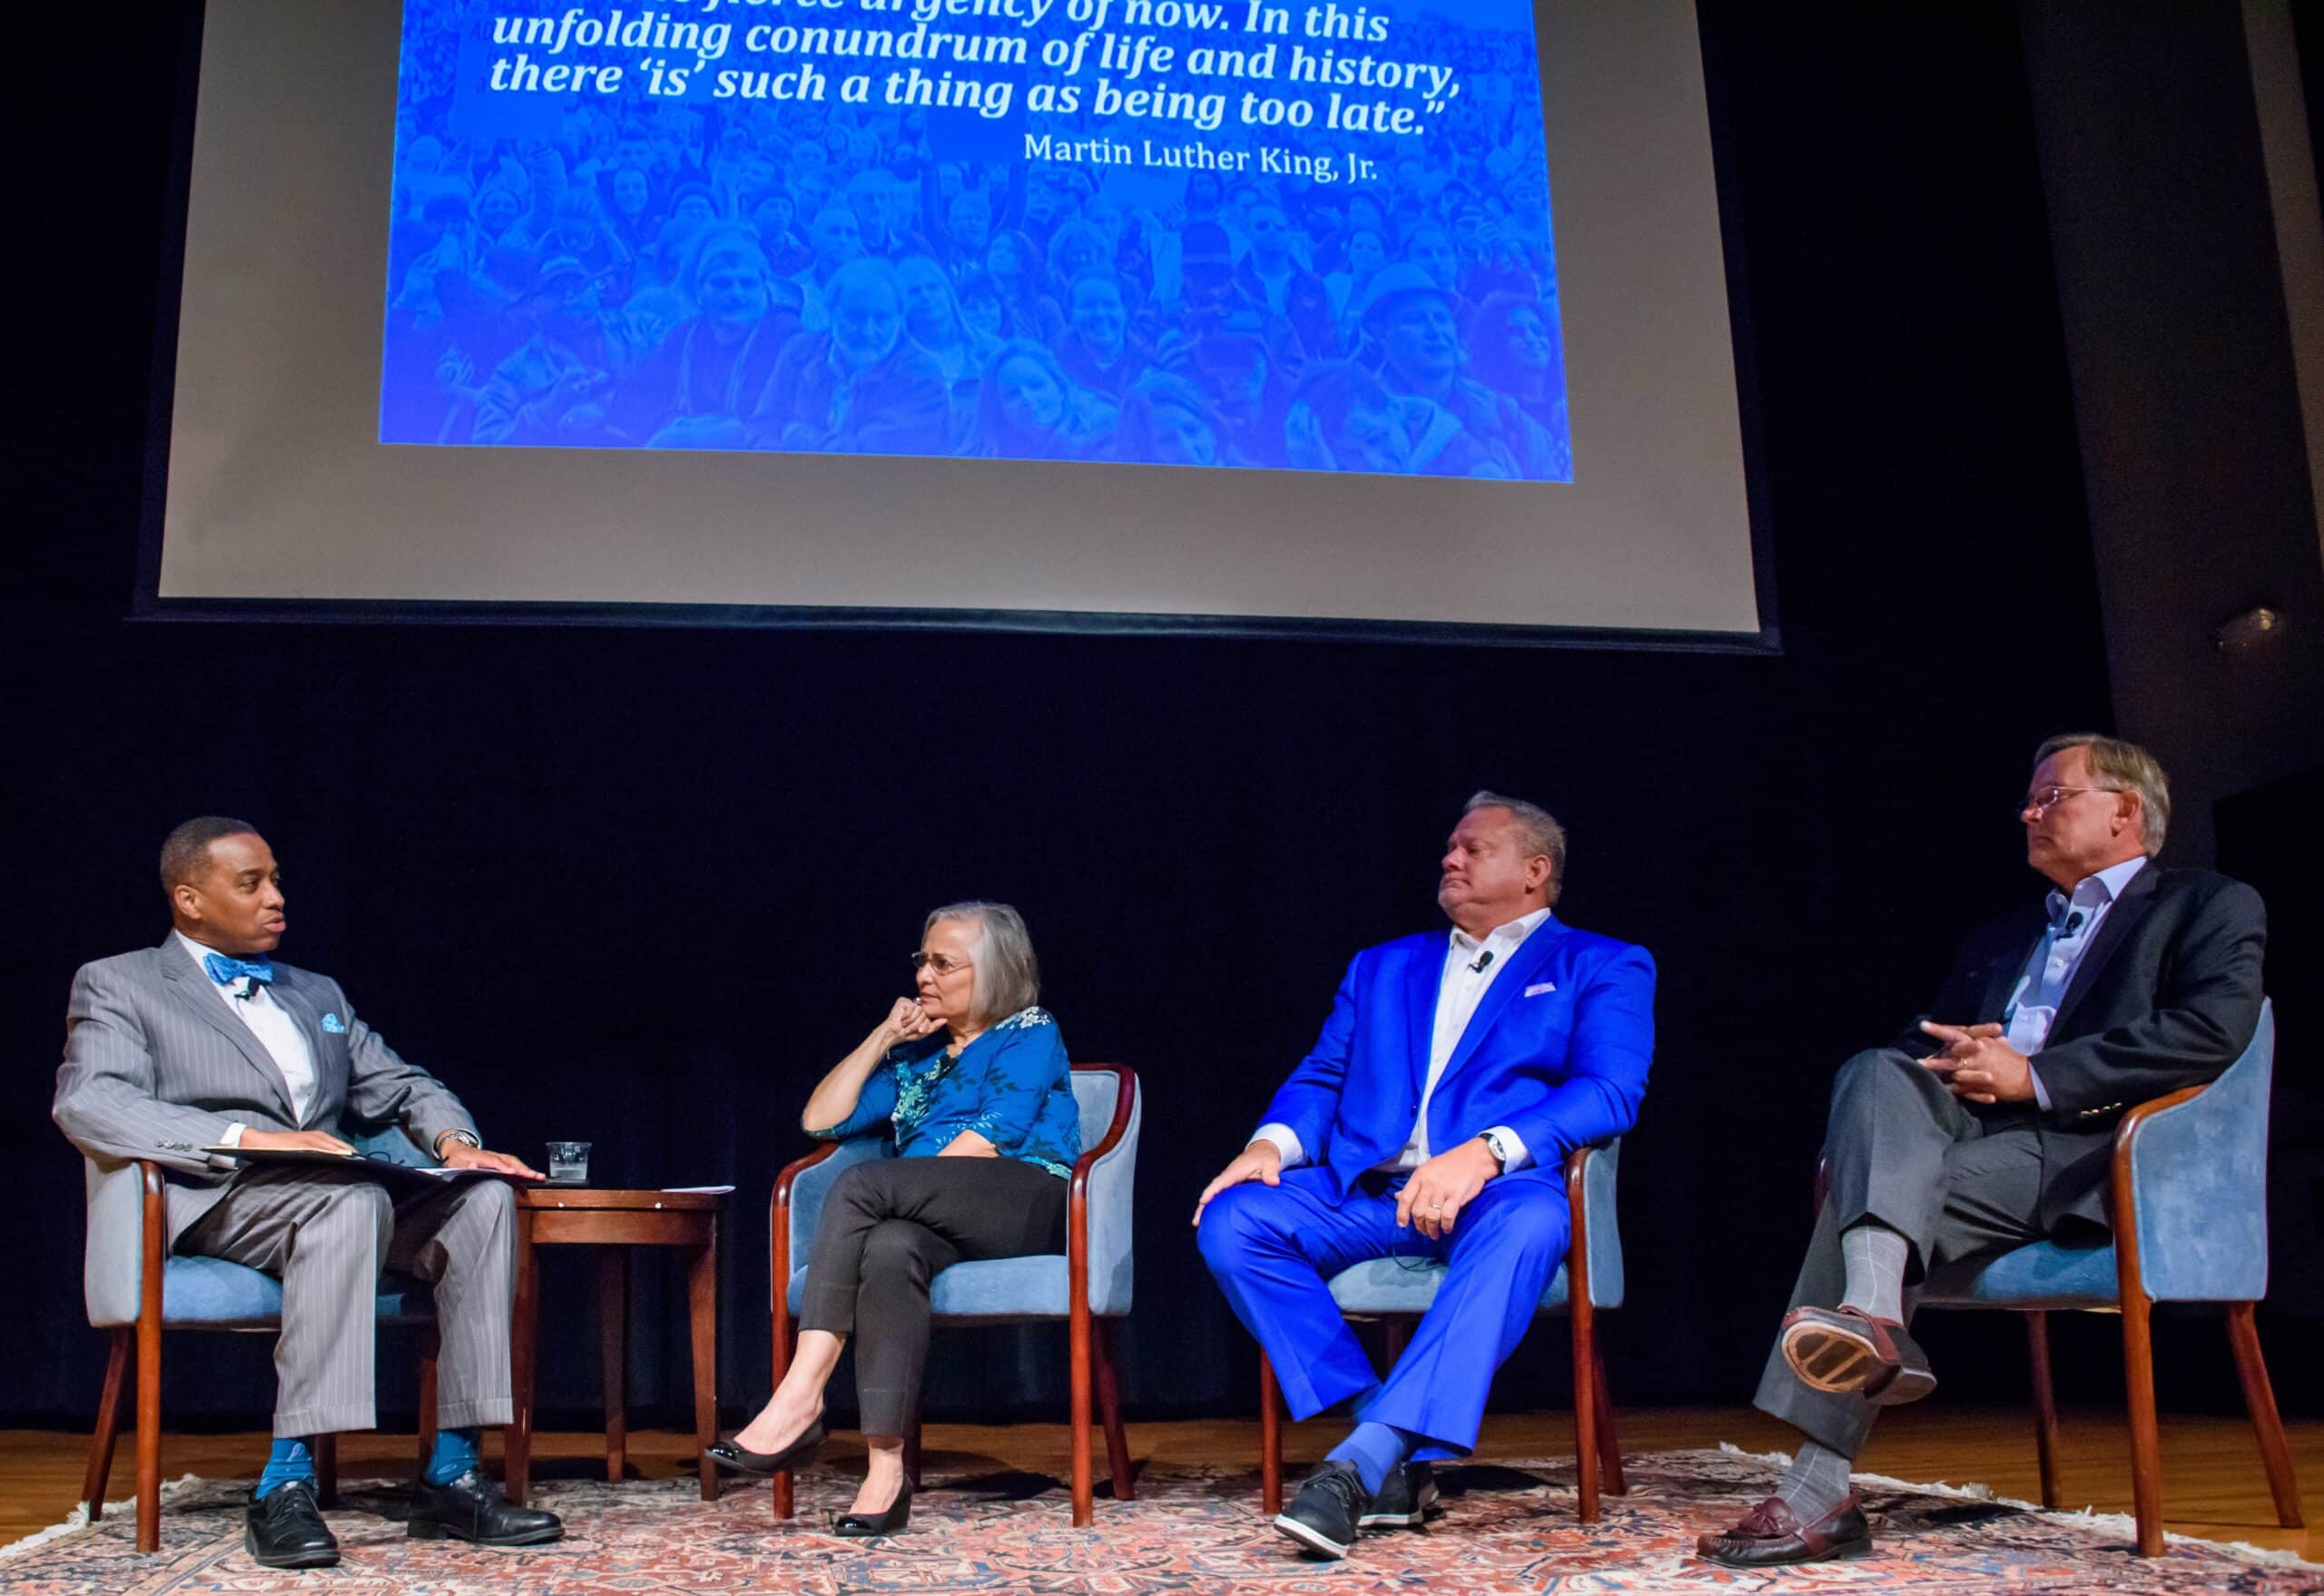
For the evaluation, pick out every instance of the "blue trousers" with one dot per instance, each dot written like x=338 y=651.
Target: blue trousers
x=1273 y=1248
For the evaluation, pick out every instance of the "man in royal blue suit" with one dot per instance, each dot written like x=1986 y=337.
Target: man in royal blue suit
x=1431 y=1120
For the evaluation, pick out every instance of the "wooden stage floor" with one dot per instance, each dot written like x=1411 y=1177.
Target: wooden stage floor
x=2211 y=1480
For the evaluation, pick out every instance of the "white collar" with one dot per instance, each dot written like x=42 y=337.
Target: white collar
x=1508 y=935
x=2092 y=890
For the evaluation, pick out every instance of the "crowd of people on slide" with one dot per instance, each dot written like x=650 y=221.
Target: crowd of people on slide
x=730 y=275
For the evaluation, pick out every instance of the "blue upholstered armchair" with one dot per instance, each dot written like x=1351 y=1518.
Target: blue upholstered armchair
x=1088 y=1286
x=2190 y=1224
x=137 y=1291
x=1400 y=1290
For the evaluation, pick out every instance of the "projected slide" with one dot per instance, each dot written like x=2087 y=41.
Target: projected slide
x=1292 y=236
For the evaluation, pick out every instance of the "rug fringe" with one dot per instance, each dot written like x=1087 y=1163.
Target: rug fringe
x=2110 y=1524
x=78 y=1518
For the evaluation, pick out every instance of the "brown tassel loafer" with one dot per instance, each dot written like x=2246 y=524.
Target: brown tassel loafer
x=1770 y=1536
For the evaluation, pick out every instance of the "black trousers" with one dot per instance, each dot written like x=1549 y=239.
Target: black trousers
x=888 y=1227
x=1901 y=1150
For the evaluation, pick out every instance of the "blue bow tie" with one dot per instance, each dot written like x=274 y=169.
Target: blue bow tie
x=225 y=971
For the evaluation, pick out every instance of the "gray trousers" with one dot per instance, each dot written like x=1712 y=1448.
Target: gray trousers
x=1903 y=1152
x=328 y=1238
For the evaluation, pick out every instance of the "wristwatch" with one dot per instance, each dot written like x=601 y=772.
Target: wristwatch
x=467 y=1139
x=1499 y=1148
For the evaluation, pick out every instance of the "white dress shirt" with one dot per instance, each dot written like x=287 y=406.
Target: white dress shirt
x=1459 y=990
x=2074 y=919
x=271 y=1023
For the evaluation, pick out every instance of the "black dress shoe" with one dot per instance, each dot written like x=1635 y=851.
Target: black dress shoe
x=1770 y=1536
x=859 y=1526
x=285 y=1529
x=1407 y=1500
x=742 y=1461
x=472 y=1509
x=1325 y=1517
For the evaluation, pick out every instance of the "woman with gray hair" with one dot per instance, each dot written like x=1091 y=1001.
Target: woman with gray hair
x=973 y=1078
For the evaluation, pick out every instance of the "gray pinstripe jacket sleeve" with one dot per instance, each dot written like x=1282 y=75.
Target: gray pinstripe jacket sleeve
x=156 y=1068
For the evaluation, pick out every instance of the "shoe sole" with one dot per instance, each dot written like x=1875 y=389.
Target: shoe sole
x=1311 y=1538
x=432 y=1531
x=1832 y=1360
x=1428 y=1507
x=317 y=1558
x=1841 y=1552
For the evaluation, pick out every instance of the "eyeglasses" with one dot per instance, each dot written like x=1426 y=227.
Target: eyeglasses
x=942 y=963
x=2044 y=798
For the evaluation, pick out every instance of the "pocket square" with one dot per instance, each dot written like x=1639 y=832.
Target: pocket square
x=334 y=1025
x=1539 y=987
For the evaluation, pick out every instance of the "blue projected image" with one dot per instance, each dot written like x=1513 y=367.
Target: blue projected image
x=1193 y=232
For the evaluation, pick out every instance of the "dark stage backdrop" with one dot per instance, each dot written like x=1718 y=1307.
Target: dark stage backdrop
x=643 y=886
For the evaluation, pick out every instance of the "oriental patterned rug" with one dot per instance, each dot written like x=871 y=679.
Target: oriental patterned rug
x=1509 y=1527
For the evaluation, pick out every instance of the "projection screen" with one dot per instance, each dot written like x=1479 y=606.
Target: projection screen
x=1400 y=319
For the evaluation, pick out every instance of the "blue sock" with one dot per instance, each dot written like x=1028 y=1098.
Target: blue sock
x=455 y=1455
x=1374 y=1449
x=288 y=1459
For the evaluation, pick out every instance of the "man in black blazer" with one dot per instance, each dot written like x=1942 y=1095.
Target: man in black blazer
x=1990 y=1125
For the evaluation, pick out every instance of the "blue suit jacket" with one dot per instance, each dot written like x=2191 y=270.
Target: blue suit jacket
x=1557 y=1051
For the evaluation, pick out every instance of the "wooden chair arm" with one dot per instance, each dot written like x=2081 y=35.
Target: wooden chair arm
x=152 y=1243
x=778 y=1217
x=1577 y=1253
x=2123 y=1213
x=1077 y=1191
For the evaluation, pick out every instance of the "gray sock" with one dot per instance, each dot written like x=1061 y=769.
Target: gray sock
x=1815 y=1483
x=1874 y=1256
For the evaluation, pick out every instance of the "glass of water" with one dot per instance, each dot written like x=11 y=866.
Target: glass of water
x=569 y=1162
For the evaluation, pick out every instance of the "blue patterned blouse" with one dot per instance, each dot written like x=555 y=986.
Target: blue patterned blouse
x=1011 y=1085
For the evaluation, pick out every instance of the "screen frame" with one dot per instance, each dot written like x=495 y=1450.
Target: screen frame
x=148 y=604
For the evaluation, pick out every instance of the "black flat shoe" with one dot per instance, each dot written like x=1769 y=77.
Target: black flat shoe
x=285 y=1529
x=742 y=1461
x=856 y=1526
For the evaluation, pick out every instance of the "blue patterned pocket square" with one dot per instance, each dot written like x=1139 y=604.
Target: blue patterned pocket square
x=334 y=1026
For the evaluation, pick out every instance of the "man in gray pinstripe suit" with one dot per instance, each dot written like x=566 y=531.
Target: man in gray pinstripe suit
x=204 y=1041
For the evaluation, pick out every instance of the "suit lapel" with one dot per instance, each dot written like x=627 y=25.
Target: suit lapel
x=1423 y=980
x=190 y=988
x=2121 y=920
x=1522 y=967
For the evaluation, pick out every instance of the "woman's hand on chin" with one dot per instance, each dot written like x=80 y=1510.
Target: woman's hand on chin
x=907 y=1022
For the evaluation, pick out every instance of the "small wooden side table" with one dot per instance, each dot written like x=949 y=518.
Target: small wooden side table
x=614 y=1222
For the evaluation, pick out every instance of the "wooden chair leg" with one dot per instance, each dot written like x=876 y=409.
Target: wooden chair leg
x=100 y=1442
x=1270 y=1438
x=1585 y=1410
x=325 y=1470
x=431 y=1344
x=2260 y=1400
x=1399 y=1335
x=1084 y=1478
x=1118 y=1462
x=912 y=1455
x=2046 y=1403
x=785 y=1339
x=1609 y=1444
x=2146 y=1443
x=149 y=1422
